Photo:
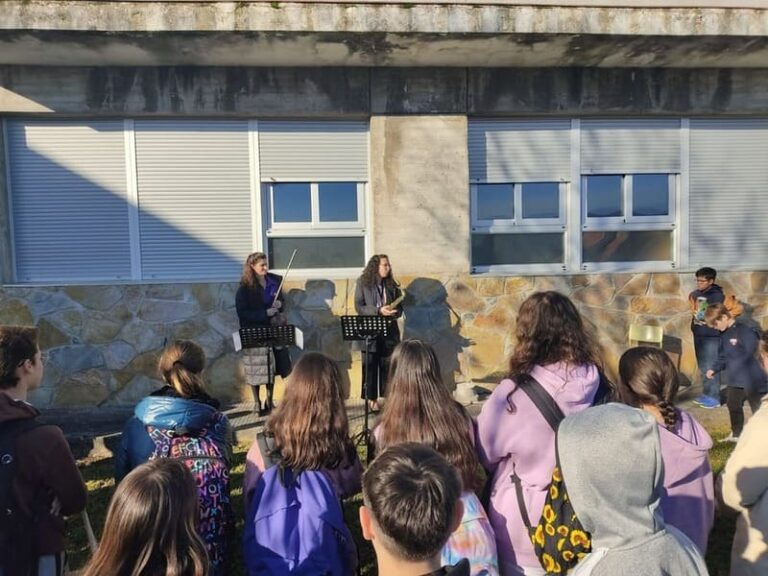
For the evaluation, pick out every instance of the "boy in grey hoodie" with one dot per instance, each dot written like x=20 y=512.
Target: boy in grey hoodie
x=615 y=492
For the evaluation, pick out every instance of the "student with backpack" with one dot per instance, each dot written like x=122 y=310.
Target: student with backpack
x=411 y=505
x=557 y=355
x=612 y=468
x=420 y=409
x=39 y=479
x=295 y=475
x=648 y=380
x=181 y=421
x=150 y=528
x=738 y=358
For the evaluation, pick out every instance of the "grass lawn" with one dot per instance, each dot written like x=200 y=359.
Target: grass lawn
x=98 y=476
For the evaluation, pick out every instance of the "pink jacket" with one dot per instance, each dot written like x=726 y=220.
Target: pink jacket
x=523 y=442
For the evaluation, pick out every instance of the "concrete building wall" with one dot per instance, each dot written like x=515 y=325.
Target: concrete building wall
x=419 y=174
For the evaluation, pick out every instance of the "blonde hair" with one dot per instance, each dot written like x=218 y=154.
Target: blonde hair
x=181 y=366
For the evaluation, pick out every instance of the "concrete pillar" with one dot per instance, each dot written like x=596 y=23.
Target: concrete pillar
x=6 y=269
x=420 y=192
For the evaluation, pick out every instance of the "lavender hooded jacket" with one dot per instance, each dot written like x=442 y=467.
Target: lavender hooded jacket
x=688 y=499
x=523 y=442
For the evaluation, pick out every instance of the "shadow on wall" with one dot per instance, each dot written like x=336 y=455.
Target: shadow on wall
x=430 y=318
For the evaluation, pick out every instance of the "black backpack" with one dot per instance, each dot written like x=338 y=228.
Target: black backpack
x=14 y=538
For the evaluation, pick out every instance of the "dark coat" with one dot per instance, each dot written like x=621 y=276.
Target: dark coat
x=365 y=305
x=251 y=303
x=165 y=409
x=738 y=349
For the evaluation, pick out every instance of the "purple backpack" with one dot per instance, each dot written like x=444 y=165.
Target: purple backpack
x=207 y=462
x=296 y=526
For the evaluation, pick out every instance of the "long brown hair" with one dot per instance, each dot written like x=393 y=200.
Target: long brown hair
x=648 y=377
x=370 y=275
x=248 y=277
x=550 y=330
x=420 y=409
x=150 y=527
x=181 y=366
x=310 y=426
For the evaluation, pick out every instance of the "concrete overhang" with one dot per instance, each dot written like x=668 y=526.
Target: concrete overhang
x=428 y=33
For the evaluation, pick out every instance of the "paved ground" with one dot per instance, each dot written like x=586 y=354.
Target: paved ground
x=93 y=432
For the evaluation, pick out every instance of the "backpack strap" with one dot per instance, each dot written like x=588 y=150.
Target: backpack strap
x=551 y=412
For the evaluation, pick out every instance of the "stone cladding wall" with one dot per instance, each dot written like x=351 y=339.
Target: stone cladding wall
x=103 y=341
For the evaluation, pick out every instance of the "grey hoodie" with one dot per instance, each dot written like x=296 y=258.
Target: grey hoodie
x=613 y=471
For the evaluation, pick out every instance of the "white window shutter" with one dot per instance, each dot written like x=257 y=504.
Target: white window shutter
x=194 y=198
x=728 y=204
x=69 y=200
x=519 y=150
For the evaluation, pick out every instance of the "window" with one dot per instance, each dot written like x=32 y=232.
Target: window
x=323 y=221
x=628 y=218
x=571 y=195
x=183 y=199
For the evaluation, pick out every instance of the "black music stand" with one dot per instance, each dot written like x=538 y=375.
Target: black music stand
x=268 y=337
x=365 y=329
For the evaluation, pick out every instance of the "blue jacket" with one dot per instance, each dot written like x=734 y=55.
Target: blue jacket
x=166 y=409
x=738 y=349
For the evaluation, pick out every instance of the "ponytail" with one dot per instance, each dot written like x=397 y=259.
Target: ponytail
x=647 y=377
x=181 y=366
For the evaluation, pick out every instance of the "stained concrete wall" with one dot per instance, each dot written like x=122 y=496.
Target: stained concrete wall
x=307 y=92
x=418 y=179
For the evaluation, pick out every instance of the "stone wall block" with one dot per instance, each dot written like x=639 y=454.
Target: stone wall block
x=189 y=329
x=145 y=364
x=462 y=298
x=424 y=290
x=43 y=302
x=95 y=297
x=503 y=315
x=68 y=321
x=205 y=295
x=490 y=286
x=757 y=306
x=666 y=284
x=167 y=311
x=121 y=313
x=224 y=322
x=599 y=293
x=42 y=396
x=516 y=284
x=609 y=326
x=226 y=298
x=142 y=336
x=658 y=306
x=50 y=336
x=134 y=391
x=133 y=296
x=636 y=285
x=758 y=282
x=679 y=326
x=341 y=302
x=118 y=354
x=15 y=312
x=557 y=283
x=213 y=344
x=333 y=345
x=76 y=358
x=485 y=352
x=99 y=329
x=87 y=388
x=320 y=295
x=581 y=280
x=167 y=292
x=225 y=378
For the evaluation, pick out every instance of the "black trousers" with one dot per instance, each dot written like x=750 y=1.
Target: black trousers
x=735 y=402
x=375 y=373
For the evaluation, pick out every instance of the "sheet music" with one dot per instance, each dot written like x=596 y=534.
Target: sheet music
x=237 y=341
x=299 y=338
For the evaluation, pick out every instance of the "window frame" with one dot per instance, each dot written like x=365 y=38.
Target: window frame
x=628 y=221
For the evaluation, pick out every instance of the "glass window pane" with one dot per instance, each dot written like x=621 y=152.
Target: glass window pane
x=293 y=202
x=495 y=202
x=604 y=197
x=648 y=245
x=338 y=201
x=318 y=252
x=490 y=249
x=650 y=195
x=541 y=200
